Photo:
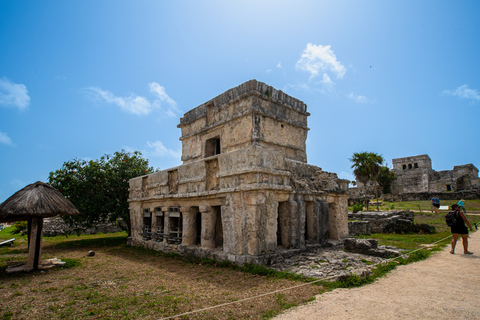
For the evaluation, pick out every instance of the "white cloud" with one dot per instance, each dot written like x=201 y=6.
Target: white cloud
x=279 y=65
x=318 y=59
x=137 y=104
x=357 y=98
x=464 y=92
x=5 y=139
x=160 y=92
x=13 y=94
x=133 y=104
x=158 y=150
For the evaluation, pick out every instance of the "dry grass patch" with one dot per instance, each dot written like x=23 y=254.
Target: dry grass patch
x=122 y=282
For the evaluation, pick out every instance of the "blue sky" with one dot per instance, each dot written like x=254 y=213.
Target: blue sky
x=79 y=79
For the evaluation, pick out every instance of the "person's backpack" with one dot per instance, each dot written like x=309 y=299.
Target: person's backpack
x=451 y=218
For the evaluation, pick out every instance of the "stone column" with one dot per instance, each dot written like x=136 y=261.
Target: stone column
x=189 y=232
x=338 y=216
x=166 y=223
x=153 y=225
x=302 y=217
x=209 y=220
x=311 y=234
x=136 y=220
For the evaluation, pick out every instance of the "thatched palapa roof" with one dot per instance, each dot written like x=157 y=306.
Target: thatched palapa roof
x=34 y=201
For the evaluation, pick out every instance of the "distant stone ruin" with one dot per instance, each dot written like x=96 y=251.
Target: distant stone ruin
x=416 y=180
x=415 y=174
x=245 y=191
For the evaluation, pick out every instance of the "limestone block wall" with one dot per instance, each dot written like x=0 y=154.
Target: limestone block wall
x=251 y=113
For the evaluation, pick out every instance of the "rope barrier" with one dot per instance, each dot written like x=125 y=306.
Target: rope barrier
x=385 y=261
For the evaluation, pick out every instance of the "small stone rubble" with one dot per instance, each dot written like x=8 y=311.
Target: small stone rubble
x=370 y=247
x=335 y=262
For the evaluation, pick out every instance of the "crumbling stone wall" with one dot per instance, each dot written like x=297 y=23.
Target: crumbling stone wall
x=375 y=222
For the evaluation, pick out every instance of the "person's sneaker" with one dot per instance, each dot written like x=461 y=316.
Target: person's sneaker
x=468 y=252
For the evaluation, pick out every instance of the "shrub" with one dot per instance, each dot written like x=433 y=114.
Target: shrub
x=357 y=207
x=20 y=227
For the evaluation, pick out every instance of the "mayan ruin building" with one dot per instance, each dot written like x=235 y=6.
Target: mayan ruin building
x=415 y=174
x=245 y=192
x=416 y=180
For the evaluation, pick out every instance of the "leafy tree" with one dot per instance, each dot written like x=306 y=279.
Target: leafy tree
x=385 y=179
x=366 y=167
x=99 y=188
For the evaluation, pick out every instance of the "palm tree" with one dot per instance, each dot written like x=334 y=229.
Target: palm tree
x=366 y=167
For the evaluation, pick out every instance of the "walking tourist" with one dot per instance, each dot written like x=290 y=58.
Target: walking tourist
x=462 y=206
x=459 y=228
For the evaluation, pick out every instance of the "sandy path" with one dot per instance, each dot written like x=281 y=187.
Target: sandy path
x=444 y=286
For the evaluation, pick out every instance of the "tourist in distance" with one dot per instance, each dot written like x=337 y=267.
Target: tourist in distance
x=435 y=204
x=462 y=206
x=459 y=228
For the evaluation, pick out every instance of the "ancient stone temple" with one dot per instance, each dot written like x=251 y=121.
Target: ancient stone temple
x=415 y=174
x=245 y=191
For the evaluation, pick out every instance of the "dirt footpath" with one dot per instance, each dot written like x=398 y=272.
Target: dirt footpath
x=445 y=286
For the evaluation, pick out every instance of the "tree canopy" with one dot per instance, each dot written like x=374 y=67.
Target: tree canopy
x=366 y=166
x=99 y=188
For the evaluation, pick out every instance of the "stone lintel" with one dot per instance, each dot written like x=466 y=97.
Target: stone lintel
x=204 y=209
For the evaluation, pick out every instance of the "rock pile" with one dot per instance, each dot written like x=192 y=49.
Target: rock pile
x=332 y=262
x=375 y=222
x=370 y=247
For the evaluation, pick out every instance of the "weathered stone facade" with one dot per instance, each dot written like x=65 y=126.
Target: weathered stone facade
x=415 y=174
x=244 y=191
x=417 y=180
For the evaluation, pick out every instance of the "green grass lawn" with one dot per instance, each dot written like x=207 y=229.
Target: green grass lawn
x=423 y=205
x=422 y=215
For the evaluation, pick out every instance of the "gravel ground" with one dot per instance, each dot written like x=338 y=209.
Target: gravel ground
x=445 y=286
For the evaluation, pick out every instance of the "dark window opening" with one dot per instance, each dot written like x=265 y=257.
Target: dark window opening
x=198 y=225
x=410 y=166
x=212 y=147
x=218 y=227
x=404 y=167
x=147 y=224
x=449 y=187
x=159 y=224
x=282 y=221
x=415 y=165
x=175 y=225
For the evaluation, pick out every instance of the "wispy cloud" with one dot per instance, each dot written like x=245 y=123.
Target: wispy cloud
x=464 y=92
x=320 y=60
x=137 y=104
x=5 y=139
x=157 y=149
x=13 y=94
x=279 y=65
x=357 y=98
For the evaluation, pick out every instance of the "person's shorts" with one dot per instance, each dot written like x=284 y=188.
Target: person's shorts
x=459 y=229
x=436 y=205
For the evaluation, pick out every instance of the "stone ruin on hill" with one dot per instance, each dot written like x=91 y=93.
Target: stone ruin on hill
x=245 y=191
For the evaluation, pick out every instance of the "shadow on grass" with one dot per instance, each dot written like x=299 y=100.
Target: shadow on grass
x=107 y=241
